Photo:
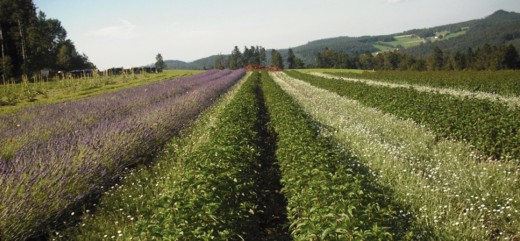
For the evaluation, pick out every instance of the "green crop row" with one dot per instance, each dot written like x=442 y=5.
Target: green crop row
x=216 y=196
x=204 y=186
x=331 y=196
x=491 y=127
x=499 y=82
x=440 y=181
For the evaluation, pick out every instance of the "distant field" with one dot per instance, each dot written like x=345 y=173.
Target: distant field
x=456 y=34
x=16 y=96
x=407 y=41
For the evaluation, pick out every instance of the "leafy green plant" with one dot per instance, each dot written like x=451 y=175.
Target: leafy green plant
x=441 y=181
x=491 y=127
x=500 y=82
x=331 y=196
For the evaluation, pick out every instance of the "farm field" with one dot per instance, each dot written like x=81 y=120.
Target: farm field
x=410 y=40
x=294 y=155
x=505 y=83
x=53 y=157
x=444 y=184
x=513 y=101
x=15 y=96
x=490 y=126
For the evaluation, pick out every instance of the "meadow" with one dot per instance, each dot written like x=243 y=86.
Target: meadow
x=292 y=155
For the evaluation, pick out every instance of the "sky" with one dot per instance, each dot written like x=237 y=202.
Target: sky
x=127 y=33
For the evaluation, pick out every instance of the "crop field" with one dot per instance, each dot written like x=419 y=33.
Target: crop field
x=294 y=155
x=53 y=157
x=48 y=91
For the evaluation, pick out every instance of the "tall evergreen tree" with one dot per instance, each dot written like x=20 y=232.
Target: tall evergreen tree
x=159 y=63
x=291 y=59
x=511 y=59
x=255 y=59
x=299 y=64
x=262 y=56
x=276 y=59
x=235 y=60
x=32 y=42
x=436 y=60
x=220 y=62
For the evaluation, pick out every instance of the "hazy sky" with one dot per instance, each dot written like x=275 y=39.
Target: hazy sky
x=131 y=32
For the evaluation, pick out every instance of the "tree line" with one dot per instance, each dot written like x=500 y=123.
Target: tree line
x=487 y=57
x=31 y=42
x=257 y=56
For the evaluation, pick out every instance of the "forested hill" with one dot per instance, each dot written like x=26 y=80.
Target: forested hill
x=499 y=28
x=204 y=63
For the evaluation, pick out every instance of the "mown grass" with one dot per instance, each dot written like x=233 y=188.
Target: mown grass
x=16 y=96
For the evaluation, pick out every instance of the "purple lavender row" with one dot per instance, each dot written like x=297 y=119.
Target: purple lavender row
x=42 y=122
x=46 y=177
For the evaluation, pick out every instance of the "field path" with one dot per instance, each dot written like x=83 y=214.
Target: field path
x=508 y=100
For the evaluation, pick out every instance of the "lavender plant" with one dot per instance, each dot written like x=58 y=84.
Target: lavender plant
x=53 y=157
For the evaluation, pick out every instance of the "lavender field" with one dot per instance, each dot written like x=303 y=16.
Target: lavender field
x=54 y=157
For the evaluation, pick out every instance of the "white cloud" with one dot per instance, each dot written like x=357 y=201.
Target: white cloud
x=394 y=1
x=123 y=30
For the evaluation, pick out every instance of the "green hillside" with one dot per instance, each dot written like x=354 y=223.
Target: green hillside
x=499 y=28
x=204 y=63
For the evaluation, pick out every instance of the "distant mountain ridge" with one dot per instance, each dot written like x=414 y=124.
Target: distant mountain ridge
x=501 y=27
x=204 y=63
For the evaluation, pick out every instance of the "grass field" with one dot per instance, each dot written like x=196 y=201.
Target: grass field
x=16 y=96
x=406 y=41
